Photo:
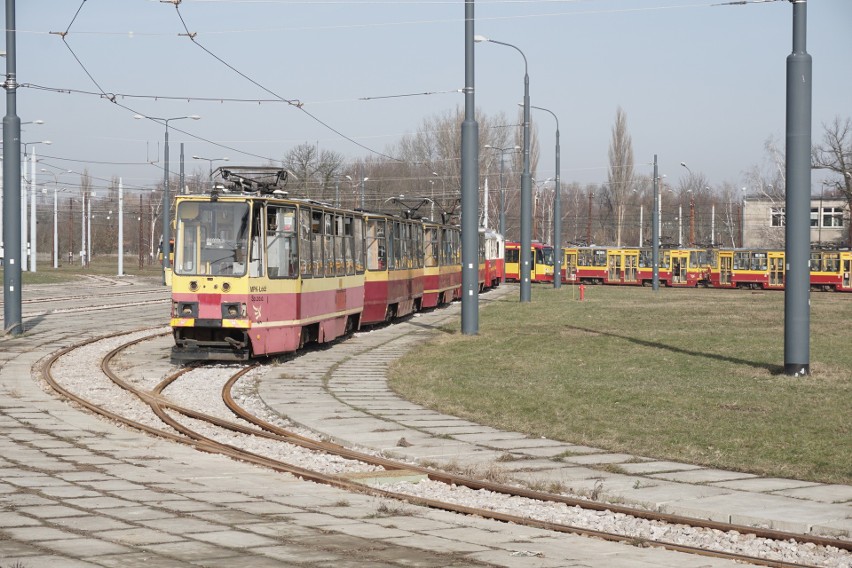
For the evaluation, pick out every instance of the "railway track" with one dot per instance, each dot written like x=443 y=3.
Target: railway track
x=166 y=408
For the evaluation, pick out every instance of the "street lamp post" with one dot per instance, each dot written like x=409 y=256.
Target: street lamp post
x=210 y=163
x=32 y=208
x=167 y=231
x=691 y=207
x=502 y=188
x=526 y=180
x=557 y=211
x=55 y=213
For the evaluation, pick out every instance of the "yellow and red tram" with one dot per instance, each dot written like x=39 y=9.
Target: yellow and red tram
x=492 y=261
x=393 y=284
x=255 y=275
x=442 y=264
x=541 y=262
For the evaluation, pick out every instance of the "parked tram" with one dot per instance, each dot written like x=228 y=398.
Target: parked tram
x=541 y=262
x=634 y=266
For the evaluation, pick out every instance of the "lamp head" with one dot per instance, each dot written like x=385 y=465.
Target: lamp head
x=480 y=38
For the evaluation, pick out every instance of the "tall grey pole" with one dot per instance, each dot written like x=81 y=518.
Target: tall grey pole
x=55 y=226
x=526 y=181
x=363 y=179
x=557 y=213
x=167 y=229
x=469 y=187
x=655 y=231
x=120 y=228
x=33 y=190
x=798 y=174
x=526 y=194
x=12 y=323
x=502 y=200
x=182 y=179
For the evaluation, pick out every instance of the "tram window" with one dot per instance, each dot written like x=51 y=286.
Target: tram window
x=831 y=262
x=599 y=258
x=816 y=261
x=512 y=255
x=431 y=248
x=741 y=261
x=419 y=239
x=358 y=240
x=305 y=244
x=328 y=245
x=212 y=238
x=376 y=245
x=281 y=257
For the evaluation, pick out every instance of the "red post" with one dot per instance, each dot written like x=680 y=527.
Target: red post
x=582 y=292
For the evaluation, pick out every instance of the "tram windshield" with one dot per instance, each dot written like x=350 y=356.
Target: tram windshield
x=545 y=256
x=212 y=238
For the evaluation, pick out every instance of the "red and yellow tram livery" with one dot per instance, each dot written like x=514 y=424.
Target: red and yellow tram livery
x=541 y=262
x=491 y=258
x=393 y=284
x=634 y=266
x=256 y=275
x=442 y=264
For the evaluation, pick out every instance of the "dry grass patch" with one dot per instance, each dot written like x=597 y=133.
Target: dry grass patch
x=684 y=375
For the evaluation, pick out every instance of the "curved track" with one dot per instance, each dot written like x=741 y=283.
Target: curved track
x=177 y=430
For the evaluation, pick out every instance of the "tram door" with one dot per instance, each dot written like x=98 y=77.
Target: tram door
x=613 y=266
x=570 y=266
x=680 y=261
x=725 y=264
x=631 y=265
x=776 y=269
x=846 y=260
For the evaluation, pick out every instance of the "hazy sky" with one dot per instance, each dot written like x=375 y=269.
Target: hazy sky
x=699 y=83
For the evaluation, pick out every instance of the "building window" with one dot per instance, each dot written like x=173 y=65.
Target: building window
x=778 y=217
x=814 y=217
x=832 y=217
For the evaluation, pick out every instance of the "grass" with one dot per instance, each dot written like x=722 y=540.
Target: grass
x=687 y=375
x=101 y=265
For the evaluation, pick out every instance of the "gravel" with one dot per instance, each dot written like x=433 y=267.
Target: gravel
x=200 y=389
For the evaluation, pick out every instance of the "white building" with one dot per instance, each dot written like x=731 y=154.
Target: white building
x=764 y=220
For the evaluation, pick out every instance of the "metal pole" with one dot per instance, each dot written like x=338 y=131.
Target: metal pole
x=655 y=231
x=33 y=211
x=502 y=198
x=526 y=182
x=89 y=195
x=526 y=195
x=557 y=212
x=55 y=227
x=167 y=233
x=120 y=228
x=798 y=175
x=469 y=186
x=12 y=324
x=713 y=225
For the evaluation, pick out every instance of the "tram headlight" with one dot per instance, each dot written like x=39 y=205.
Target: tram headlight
x=185 y=309
x=233 y=310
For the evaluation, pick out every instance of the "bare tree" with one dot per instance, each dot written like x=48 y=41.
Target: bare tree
x=835 y=155
x=620 y=176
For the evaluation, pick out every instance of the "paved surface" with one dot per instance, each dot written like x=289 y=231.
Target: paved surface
x=78 y=491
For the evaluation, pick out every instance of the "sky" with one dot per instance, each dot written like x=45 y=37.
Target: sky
x=700 y=83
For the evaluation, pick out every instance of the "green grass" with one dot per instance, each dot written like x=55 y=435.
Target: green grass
x=687 y=375
x=102 y=265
